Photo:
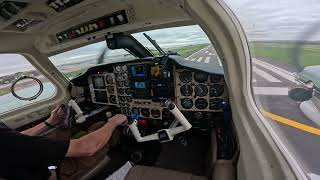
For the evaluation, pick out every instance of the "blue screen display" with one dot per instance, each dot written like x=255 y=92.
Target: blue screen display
x=140 y=85
x=138 y=70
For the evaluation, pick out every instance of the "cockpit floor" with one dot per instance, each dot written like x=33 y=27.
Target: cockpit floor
x=187 y=153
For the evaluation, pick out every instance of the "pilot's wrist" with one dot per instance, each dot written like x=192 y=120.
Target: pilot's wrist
x=51 y=121
x=48 y=124
x=112 y=123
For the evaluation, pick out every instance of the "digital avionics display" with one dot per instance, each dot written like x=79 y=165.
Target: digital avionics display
x=141 y=90
x=139 y=85
x=98 y=82
x=138 y=71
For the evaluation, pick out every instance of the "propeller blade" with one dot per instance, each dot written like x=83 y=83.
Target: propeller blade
x=101 y=57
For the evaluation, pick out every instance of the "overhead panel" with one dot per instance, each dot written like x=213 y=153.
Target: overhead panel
x=101 y=23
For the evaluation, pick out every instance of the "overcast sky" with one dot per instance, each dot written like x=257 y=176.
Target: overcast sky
x=278 y=19
x=262 y=20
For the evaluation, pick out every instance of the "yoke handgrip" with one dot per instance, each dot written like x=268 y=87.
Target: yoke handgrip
x=170 y=133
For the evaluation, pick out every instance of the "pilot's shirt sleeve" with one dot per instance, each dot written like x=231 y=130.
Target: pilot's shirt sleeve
x=22 y=151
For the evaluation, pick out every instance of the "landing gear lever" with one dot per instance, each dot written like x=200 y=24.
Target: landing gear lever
x=163 y=135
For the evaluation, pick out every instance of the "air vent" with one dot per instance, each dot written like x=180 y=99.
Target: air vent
x=23 y=24
x=8 y=9
x=60 y=5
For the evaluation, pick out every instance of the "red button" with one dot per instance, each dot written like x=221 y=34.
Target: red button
x=142 y=122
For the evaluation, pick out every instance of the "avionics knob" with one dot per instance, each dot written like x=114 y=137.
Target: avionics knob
x=108 y=114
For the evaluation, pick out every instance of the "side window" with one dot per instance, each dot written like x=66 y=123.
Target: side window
x=285 y=52
x=12 y=67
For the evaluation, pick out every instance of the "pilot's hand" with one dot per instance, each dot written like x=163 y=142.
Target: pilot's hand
x=56 y=115
x=118 y=119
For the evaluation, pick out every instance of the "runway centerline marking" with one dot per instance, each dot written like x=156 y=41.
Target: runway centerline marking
x=199 y=59
x=265 y=75
x=281 y=72
x=292 y=123
x=207 y=60
x=280 y=91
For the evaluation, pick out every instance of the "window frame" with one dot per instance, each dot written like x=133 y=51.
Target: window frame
x=39 y=109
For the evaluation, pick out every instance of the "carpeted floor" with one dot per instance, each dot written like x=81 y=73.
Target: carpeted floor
x=188 y=157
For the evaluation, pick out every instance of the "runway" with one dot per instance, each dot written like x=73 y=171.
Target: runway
x=271 y=82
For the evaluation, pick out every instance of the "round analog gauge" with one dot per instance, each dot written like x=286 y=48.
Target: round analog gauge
x=215 y=78
x=128 y=91
x=119 y=77
x=113 y=99
x=185 y=76
x=124 y=68
x=186 y=103
x=201 y=103
x=125 y=76
x=167 y=115
x=145 y=112
x=121 y=91
x=155 y=113
x=198 y=115
x=110 y=79
x=128 y=99
x=128 y=111
x=186 y=90
x=200 y=77
x=216 y=90
x=120 y=83
x=215 y=104
x=201 y=90
x=126 y=83
x=122 y=99
x=123 y=110
x=117 y=69
x=110 y=89
x=135 y=111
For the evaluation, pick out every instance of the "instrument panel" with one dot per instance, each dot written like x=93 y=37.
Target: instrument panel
x=140 y=88
x=135 y=88
x=199 y=91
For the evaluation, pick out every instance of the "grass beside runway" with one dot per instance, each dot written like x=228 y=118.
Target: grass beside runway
x=4 y=91
x=184 y=51
x=188 y=50
x=284 y=52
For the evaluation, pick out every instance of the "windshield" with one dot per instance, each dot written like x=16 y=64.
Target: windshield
x=184 y=40
x=284 y=43
x=189 y=42
x=73 y=63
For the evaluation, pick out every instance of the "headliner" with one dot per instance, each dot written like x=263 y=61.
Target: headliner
x=142 y=15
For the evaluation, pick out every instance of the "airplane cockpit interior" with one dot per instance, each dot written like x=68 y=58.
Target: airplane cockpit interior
x=186 y=120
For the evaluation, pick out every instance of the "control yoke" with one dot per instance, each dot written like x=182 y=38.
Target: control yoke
x=163 y=135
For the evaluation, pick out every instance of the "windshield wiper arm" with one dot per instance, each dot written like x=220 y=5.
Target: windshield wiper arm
x=155 y=44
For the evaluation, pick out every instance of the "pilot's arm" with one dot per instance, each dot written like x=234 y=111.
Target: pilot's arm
x=89 y=144
x=53 y=120
x=86 y=145
x=27 y=157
